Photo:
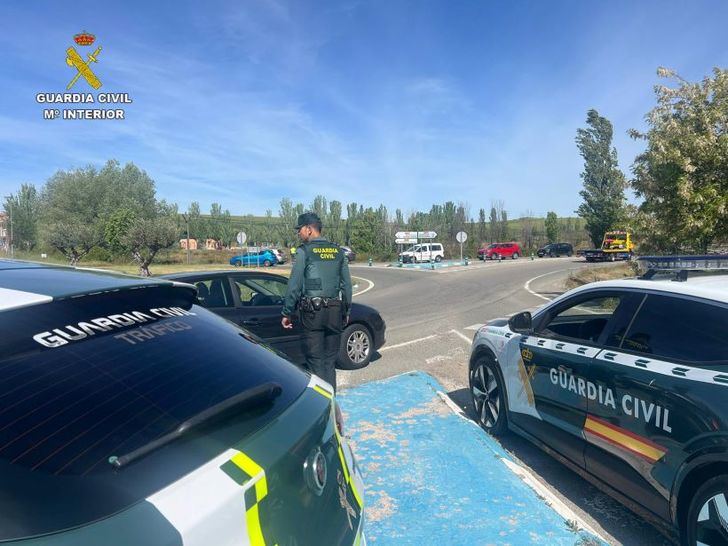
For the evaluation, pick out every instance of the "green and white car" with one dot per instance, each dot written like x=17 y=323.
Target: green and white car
x=131 y=415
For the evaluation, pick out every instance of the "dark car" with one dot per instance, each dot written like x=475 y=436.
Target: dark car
x=132 y=415
x=349 y=253
x=624 y=381
x=556 y=250
x=254 y=300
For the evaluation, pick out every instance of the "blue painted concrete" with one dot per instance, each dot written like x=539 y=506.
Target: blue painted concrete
x=434 y=478
x=427 y=265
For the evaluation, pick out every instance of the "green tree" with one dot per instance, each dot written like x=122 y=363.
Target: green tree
x=482 y=227
x=147 y=236
x=682 y=176
x=117 y=224
x=23 y=210
x=604 y=183
x=493 y=226
x=365 y=231
x=552 y=227
x=504 y=225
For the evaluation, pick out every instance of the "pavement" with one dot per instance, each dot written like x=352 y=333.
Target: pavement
x=434 y=477
x=432 y=316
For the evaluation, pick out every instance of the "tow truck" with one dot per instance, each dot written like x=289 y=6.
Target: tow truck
x=617 y=245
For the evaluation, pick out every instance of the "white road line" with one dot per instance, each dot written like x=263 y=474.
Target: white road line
x=551 y=499
x=527 y=286
x=476 y=326
x=405 y=343
x=465 y=338
x=367 y=289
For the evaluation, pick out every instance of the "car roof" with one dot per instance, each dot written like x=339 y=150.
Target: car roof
x=712 y=287
x=216 y=273
x=28 y=283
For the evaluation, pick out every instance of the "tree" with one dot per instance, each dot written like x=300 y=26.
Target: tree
x=493 y=226
x=527 y=229
x=504 y=225
x=683 y=174
x=364 y=231
x=482 y=230
x=604 y=183
x=146 y=237
x=552 y=227
x=23 y=209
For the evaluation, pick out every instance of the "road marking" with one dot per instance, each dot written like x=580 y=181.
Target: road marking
x=551 y=499
x=476 y=326
x=371 y=285
x=465 y=338
x=527 y=286
x=410 y=342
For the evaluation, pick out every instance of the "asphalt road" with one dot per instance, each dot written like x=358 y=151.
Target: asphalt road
x=431 y=318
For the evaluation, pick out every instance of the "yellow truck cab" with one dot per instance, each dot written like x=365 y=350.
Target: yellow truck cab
x=617 y=245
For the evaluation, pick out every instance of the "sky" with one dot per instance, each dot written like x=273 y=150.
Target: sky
x=400 y=102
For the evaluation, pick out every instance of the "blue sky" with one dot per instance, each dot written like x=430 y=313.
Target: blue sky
x=402 y=102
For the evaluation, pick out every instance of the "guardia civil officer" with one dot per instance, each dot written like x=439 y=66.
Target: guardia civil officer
x=320 y=286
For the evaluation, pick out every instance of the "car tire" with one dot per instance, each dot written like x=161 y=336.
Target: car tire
x=267 y=263
x=708 y=506
x=494 y=256
x=515 y=256
x=438 y=259
x=488 y=394
x=238 y=263
x=569 y=254
x=356 y=347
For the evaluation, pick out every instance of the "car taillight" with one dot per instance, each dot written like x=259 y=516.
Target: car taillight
x=339 y=419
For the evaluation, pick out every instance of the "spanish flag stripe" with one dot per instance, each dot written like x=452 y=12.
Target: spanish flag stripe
x=630 y=442
x=627 y=432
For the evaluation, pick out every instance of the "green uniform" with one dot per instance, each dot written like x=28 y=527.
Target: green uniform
x=320 y=277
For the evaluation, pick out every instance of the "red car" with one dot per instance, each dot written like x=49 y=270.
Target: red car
x=499 y=250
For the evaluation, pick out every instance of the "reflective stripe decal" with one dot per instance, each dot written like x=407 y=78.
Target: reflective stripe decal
x=624 y=439
x=347 y=473
x=246 y=472
x=322 y=391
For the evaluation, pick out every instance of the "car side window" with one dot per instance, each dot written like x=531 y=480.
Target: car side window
x=584 y=319
x=680 y=329
x=260 y=291
x=213 y=292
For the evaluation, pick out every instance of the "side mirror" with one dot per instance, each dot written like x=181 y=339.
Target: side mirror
x=521 y=323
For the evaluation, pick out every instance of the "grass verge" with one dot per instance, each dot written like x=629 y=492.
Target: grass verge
x=593 y=274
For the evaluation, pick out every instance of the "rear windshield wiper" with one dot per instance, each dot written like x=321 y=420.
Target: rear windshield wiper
x=251 y=397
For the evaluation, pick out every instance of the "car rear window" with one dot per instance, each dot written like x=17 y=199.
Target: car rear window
x=99 y=376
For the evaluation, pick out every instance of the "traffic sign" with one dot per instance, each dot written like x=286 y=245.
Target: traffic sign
x=406 y=241
x=461 y=237
x=241 y=237
x=415 y=235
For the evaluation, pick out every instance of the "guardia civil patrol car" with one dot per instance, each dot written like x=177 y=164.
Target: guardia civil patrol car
x=131 y=415
x=626 y=382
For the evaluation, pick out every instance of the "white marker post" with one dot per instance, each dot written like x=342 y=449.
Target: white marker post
x=461 y=237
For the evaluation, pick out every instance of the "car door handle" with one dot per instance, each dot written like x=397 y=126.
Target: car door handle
x=251 y=322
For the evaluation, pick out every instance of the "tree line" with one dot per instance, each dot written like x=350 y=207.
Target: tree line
x=681 y=179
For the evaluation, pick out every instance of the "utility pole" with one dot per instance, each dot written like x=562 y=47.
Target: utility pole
x=9 y=241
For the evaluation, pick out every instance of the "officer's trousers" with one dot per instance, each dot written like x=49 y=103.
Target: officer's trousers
x=321 y=346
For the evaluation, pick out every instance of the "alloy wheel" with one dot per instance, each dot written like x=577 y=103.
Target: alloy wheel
x=358 y=346
x=712 y=522
x=486 y=395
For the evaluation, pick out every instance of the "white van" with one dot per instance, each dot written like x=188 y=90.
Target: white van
x=423 y=252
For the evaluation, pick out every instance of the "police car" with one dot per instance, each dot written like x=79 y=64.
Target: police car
x=131 y=415
x=626 y=382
